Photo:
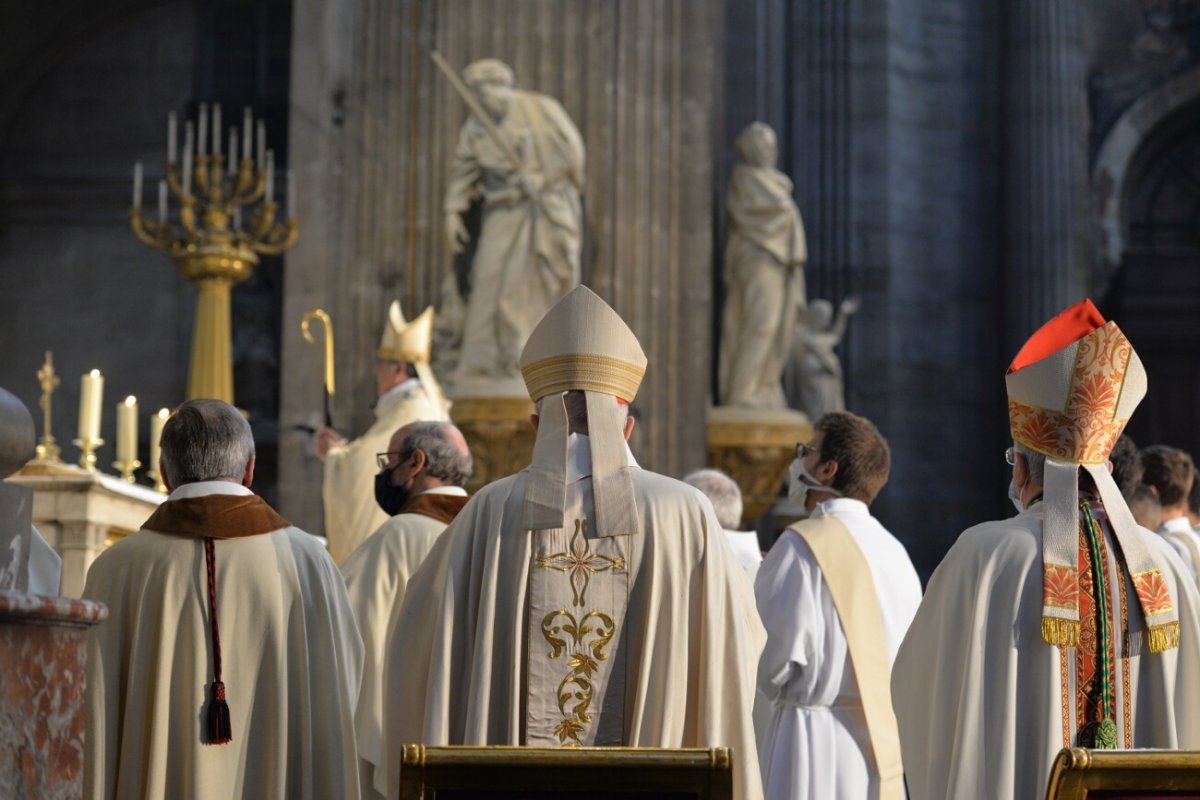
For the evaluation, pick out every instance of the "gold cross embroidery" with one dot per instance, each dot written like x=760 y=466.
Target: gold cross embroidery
x=581 y=562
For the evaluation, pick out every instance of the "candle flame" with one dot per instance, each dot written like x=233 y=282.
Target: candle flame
x=95 y=373
x=131 y=400
x=163 y=413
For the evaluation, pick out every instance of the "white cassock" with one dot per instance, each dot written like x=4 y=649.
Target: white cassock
x=376 y=575
x=984 y=704
x=351 y=513
x=45 y=566
x=664 y=656
x=744 y=545
x=813 y=737
x=1185 y=542
x=292 y=658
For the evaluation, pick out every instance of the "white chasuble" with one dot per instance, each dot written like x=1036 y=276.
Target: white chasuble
x=578 y=595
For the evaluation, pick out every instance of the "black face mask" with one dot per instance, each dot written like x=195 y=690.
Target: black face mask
x=390 y=498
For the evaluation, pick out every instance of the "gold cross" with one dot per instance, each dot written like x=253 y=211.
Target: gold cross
x=580 y=562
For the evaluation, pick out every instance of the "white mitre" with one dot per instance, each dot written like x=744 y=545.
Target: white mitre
x=582 y=344
x=412 y=343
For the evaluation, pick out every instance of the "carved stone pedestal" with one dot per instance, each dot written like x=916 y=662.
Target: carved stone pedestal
x=80 y=513
x=43 y=653
x=755 y=447
x=499 y=434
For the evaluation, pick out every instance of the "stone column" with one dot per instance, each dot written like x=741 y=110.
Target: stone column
x=373 y=131
x=1044 y=238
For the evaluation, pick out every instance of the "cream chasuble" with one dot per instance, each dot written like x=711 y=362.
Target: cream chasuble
x=348 y=490
x=567 y=637
x=291 y=663
x=984 y=703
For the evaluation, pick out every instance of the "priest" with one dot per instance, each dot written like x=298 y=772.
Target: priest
x=407 y=391
x=823 y=680
x=420 y=485
x=229 y=663
x=582 y=601
x=1066 y=625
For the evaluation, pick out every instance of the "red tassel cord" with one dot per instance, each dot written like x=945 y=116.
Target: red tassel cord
x=219 y=730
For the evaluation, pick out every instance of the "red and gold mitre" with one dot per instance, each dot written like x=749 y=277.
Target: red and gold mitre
x=1073 y=386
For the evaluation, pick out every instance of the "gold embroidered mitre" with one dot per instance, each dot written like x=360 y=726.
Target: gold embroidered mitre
x=1071 y=389
x=410 y=342
x=583 y=344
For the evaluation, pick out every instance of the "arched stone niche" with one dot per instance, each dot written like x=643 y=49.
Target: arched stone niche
x=1117 y=163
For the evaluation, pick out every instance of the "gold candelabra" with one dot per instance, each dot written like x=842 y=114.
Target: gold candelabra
x=223 y=228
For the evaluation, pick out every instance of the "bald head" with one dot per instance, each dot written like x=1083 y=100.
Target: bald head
x=441 y=450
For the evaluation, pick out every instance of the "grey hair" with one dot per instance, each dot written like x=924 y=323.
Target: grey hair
x=722 y=492
x=1036 y=462
x=488 y=70
x=443 y=459
x=577 y=419
x=205 y=440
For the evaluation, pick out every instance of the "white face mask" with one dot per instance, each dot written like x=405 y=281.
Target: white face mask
x=801 y=482
x=1015 y=498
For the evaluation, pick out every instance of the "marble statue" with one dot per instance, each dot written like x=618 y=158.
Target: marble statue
x=814 y=372
x=525 y=161
x=764 y=275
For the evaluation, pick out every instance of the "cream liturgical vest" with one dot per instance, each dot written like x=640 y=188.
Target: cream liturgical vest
x=579 y=592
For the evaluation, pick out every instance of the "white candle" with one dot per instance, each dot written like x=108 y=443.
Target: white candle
x=162 y=202
x=188 y=136
x=91 y=395
x=156 y=427
x=137 y=184
x=127 y=430
x=262 y=143
x=202 y=130
x=216 y=129
x=172 y=137
x=291 y=194
x=270 y=195
x=247 y=134
x=232 y=150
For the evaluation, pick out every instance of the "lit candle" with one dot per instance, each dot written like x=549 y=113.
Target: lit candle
x=91 y=395
x=262 y=143
x=172 y=137
x=162 y=202
x=188 y=136
x=127 y=430
x=156 y=427
x=291 y=194
x=247 y=134
x=270 y=195
x=202 y=130
x=137 y=184
x=216 y=129
x=232 y=150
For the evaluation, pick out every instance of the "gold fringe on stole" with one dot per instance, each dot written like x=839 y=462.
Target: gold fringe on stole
x=1065 y=632
x=1162 y=637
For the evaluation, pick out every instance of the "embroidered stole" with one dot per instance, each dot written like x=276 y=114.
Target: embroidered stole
x=578 y=596
x=852 y=587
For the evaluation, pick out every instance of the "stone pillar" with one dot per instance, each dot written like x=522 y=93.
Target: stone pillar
x=43 y=664
x=372 y=134
x=1044 y=238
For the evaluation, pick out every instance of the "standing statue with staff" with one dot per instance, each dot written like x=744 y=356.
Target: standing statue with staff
x=522 y=157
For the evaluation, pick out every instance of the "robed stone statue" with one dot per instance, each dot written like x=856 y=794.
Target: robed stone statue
x=525 y=163
x=764 y=275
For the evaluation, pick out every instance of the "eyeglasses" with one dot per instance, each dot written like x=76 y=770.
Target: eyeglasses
x=1010 y=456
x=384 y=459
x=803 y=449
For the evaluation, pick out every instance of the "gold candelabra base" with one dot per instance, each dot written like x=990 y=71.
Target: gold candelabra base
x=47 y=451
x=126 y=469
x=155 y=476
x=87 y=458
